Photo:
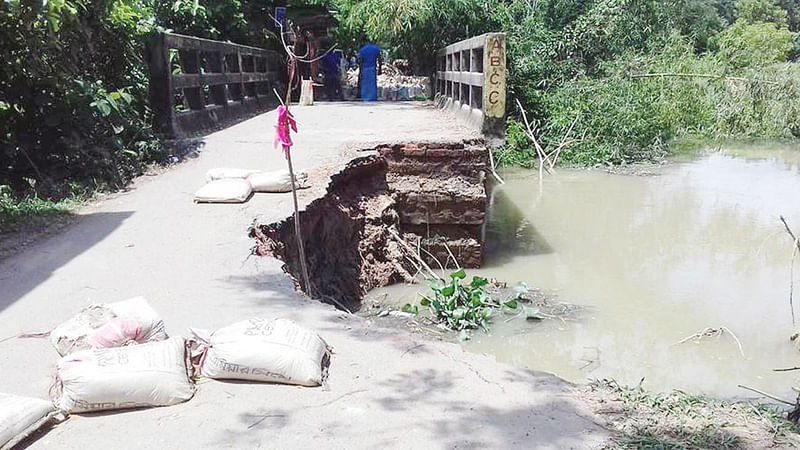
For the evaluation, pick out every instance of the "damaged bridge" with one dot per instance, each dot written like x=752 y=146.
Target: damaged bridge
x=399 y=175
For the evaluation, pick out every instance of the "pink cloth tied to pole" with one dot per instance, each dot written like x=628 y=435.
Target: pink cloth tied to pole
x=282 y=131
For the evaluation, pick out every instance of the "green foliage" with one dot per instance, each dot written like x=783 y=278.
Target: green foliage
x=755 y=11
x=518 y=150
x=460 y=306
x=16 y=213
x=74 y=87
x=571 y=59
x=76 y=92
x=745 y=44
x=413 y=29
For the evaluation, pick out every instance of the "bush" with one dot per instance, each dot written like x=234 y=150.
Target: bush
x=746 y=44
x=72 y=97
x=756 y=11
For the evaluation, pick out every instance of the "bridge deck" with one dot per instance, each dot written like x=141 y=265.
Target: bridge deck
x=387 y=388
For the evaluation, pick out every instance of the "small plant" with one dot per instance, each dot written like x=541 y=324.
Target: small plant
x=460 y=306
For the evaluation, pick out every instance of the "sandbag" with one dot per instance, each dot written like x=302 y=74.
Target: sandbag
x=223 y=173
x=277 y=181
x=21 y=416
x=135 y=376
x=306 y=92
x=278 y=351
x=131 y=321
x=231 y=190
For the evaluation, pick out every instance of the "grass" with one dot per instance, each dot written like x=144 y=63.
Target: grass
x=646 y=420
x=19 y=213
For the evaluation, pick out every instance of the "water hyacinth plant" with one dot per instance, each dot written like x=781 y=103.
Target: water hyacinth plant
x=459 y=305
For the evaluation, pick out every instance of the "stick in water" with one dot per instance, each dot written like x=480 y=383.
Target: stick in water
x=766 y=395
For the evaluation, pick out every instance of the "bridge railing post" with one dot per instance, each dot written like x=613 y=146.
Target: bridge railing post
x=471 y=81
x=161 y=93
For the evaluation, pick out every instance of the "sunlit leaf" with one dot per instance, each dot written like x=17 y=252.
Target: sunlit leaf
x=409 y=308
x=511 y=304
x=460 y=274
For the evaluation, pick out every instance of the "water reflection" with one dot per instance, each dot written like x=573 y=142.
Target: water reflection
x=509 y=232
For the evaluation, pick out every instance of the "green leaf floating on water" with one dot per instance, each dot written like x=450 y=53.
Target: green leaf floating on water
x=478 y=281
x=409 y=308
x=511 y=304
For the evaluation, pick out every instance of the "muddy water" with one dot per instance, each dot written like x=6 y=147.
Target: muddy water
x=655 y=257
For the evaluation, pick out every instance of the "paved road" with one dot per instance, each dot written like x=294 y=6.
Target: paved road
x=387 y=388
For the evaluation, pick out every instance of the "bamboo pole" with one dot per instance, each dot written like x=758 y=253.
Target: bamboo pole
x=701 y=75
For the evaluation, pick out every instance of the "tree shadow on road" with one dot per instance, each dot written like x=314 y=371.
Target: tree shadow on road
x=24 y=272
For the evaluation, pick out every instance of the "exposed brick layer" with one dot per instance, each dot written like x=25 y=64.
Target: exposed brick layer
x=431 y=194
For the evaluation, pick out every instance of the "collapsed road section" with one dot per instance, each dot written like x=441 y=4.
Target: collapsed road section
x=384 y=211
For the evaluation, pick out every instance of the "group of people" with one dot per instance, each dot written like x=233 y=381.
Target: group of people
x=368 y=60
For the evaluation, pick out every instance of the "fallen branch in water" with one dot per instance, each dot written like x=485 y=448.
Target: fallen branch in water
x=712 y=332
x=494 y=172
x=788 y=369
x=767 y=395
x=795 y=249
x=548 y=160
x=415 y=256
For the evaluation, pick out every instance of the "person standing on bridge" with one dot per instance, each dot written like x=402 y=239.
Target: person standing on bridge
x=369 y=62
x=330 y=67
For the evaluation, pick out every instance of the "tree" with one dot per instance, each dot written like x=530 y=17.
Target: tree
x=755 y=11
x=746 y=44
x=415 y=29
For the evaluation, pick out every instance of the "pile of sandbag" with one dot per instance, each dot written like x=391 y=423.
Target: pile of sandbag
x=118 y=356
x=231 y=185
x=393 y=84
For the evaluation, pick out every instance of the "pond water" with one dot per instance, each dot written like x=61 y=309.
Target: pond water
x=655 y=257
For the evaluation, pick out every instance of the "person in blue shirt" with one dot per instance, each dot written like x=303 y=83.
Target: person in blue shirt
x=369 y=61
x=330 y=67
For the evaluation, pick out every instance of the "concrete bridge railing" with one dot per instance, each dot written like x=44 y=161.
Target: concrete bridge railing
x=218 y=82
x=471 y=81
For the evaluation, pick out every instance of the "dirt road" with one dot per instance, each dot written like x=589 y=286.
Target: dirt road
x=387 y=388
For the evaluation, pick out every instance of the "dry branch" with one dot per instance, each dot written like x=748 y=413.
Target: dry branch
x=547 y=161
x=415 y=256
x=795 y=250
x=702 y=75
x=767 y=395
x=712 y=332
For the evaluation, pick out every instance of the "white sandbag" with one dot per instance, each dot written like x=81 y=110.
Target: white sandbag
x=223 y=173
x=232 y=190
x=135 y=376
x=130 y=321
x=278 y=351
x=21 y=416
x=277 y=181
x=306 y=92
